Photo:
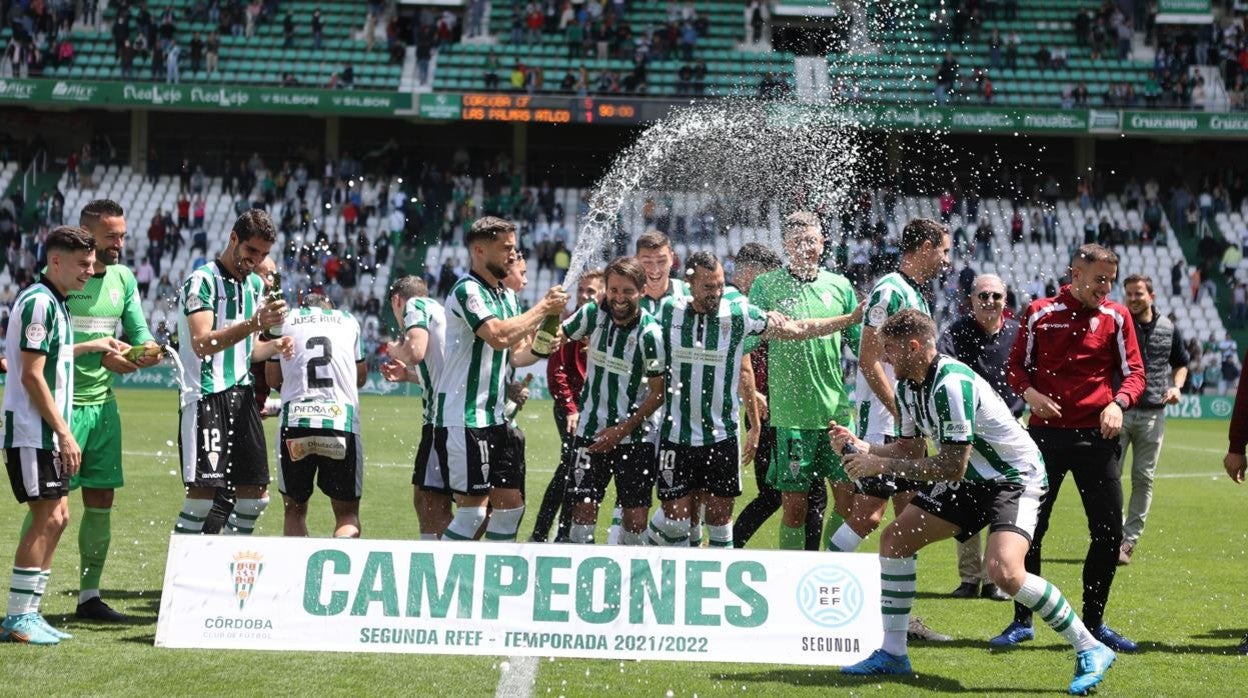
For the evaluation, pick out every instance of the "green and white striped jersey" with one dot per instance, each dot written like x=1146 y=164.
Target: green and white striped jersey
x=318 y=383
x=211 y=288
x=428 y=315
x=676 y=288
x=618 y=361
x=39 y=322
x=891 y=294
x=470 y=390
x=704 y=353
x=953 y=404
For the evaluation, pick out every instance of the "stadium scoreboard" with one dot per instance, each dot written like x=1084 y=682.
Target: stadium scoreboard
x=523 y=108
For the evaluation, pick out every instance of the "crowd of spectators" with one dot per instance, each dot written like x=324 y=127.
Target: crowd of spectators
x=150 y=39
x=41 y=35
x=601 y=30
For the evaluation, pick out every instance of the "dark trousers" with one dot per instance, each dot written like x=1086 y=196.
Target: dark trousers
x=767 y=502
x=556 y=502
x=1093 y=462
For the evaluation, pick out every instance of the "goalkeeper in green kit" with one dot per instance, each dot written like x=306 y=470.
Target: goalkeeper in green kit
x=805 y=383
x=109 y=296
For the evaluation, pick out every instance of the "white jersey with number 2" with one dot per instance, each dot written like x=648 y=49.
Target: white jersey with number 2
x=318 y=384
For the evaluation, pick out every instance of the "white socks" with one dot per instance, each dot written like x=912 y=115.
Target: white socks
x=844 y=540
x=897 y=590
x=191 y=518
x=1048 y=602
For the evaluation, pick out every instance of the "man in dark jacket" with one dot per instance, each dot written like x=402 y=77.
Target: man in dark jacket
x=982 y=340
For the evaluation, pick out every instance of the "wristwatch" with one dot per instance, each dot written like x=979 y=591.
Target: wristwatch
x=1121 y=402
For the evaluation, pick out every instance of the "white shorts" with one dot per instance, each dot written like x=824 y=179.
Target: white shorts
x=875 y=424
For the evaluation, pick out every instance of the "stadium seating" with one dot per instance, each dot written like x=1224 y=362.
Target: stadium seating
x=141 y=199
x=903 y=70
x=729 y=71
x=249 y=61
x=1017 y=264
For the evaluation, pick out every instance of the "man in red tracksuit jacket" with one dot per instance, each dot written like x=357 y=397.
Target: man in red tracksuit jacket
x=1077 y=364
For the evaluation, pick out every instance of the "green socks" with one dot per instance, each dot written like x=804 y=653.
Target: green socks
x=94 y=534
x=792 y=537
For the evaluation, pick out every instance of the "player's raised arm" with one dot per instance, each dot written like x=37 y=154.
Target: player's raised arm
x=503 y=334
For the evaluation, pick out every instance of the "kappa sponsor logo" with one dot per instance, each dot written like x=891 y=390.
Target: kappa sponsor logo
x=246 y=569
x=830 y=596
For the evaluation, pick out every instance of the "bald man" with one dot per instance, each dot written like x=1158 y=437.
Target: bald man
x=982 y=340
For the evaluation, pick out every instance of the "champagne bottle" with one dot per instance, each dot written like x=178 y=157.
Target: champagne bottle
x=139 y=351
x=275 y=294
x=543 y=343
x=510 y=408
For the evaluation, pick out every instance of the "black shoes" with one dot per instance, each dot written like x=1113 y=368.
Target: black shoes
x=990 y=591
x=96 y=609
x=965 y=590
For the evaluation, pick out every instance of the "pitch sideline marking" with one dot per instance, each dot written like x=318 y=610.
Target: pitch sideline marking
x=518 y=679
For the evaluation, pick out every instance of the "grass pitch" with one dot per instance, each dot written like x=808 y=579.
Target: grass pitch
x=1182 y=597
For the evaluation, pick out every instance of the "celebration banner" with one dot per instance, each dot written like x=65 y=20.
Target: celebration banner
x=442 y=597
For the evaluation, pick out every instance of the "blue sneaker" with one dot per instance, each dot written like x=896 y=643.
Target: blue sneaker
x=58 y=634
x=1013 y=634
x=880 y=663
x=26 y=628
x=1113 y=640
x=1090 y=668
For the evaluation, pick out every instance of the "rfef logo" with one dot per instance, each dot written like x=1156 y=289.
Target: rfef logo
x=830 y=596
x=246 y=568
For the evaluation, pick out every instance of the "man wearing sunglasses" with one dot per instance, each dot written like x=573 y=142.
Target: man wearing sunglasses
x=982 y=340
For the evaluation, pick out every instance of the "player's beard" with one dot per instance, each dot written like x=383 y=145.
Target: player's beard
x=240 y=270
x=709 y=303
x=498 y=271
x=623 y=313
x=108 y=257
